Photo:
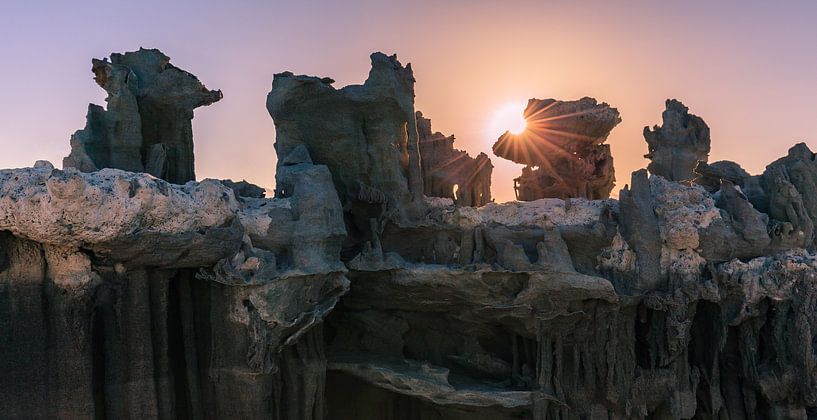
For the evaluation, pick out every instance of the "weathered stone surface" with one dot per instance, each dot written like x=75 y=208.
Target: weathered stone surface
x=366 y=134
x=790 y=184
x=562 y=148
x=709 y=176
x=147 y=124
x=123 y=295
x=244 y=189
x=105 y=265
x=452 y=173
x=641 y=233
x=74 y=208
x=677 y=145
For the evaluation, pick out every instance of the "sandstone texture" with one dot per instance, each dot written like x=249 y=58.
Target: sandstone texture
x=370 y=288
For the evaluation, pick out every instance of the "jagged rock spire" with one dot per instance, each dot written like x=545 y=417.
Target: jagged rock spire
x=147 y=124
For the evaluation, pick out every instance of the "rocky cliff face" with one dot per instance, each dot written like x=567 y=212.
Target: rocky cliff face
x=124 y=296
x=346 y=297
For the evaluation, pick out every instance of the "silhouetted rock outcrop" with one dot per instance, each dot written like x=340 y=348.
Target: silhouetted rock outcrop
x=147 y=124
x=677 y=145
x=452 y=173
x=563 y=149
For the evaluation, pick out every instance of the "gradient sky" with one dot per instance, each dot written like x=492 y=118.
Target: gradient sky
x=749 y=68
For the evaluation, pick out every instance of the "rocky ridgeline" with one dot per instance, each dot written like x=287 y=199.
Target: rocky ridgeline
x=383 y=282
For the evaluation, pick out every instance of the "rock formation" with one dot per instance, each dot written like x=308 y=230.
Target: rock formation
x=366 y=134
x=125 y=296
x=452 y=173
x=147 y=124
x=562 y=148
x=677 y=145
x=106 y=309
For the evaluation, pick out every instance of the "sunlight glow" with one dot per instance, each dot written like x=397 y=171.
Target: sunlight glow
x=509 y=118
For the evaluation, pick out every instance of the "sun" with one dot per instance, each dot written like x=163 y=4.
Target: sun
x=509 y=118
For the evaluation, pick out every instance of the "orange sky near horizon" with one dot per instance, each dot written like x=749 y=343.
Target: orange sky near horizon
x=747 y=68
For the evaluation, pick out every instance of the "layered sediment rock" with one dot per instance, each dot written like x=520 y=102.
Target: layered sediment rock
x=123 y=295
